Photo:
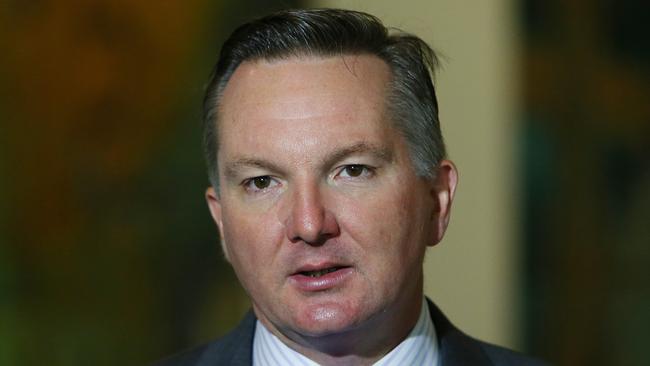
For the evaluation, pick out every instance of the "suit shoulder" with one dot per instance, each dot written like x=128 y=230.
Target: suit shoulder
x=506 y=357
x=235 y=348
x=458 y=348
x=189 y=357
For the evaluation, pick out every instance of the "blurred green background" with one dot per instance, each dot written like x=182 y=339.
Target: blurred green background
x=108 y=255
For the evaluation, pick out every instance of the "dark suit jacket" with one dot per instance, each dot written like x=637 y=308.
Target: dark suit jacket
x=455 y=347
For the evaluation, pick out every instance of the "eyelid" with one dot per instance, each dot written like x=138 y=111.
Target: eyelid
x=368 y=171
x=248 y=184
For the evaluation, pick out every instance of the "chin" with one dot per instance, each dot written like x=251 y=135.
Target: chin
x=326 y=319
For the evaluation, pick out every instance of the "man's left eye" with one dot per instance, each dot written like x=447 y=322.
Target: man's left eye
x=355 y=171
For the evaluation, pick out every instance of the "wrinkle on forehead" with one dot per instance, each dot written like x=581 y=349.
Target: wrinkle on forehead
x=383 y=153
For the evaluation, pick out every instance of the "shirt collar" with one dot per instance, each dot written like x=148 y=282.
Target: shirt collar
x=420 y=347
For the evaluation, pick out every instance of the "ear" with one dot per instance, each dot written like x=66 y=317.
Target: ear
x=214 y=204
x=443 y=190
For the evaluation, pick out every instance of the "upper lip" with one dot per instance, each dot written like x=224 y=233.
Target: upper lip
x=318 y=267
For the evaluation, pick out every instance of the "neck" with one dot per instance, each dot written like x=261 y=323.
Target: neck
x=362 y=345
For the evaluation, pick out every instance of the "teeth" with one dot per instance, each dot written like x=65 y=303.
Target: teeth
x=320 y=272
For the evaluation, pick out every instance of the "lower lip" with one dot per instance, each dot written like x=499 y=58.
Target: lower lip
x=324 y=282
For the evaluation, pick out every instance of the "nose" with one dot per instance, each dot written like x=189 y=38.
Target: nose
x=307 y=217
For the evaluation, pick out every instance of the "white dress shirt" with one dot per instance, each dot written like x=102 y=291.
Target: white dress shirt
x=419 y=348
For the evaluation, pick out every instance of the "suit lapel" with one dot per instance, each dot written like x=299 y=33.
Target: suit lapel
x=456 y=348
x=235 y=349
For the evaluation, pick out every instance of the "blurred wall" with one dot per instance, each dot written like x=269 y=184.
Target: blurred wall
x=108 y=254
x=473 y=274
x=585 y=144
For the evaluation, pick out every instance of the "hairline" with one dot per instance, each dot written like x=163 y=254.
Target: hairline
x=305 y=55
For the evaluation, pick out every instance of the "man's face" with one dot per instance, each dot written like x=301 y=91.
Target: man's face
x=320 y=210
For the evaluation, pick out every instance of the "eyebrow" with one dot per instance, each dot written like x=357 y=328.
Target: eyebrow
x=380 y=152
x=231 y=169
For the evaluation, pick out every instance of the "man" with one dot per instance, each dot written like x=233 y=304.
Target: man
x=329 y=181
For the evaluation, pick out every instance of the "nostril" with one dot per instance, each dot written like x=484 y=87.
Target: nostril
x=307 y=218
x=312 y=232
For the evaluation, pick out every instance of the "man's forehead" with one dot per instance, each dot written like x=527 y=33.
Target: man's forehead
x=356 y=65
x=306 y=82
x=301 y=104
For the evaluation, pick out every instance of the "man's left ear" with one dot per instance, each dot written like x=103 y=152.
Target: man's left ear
x=443 y=189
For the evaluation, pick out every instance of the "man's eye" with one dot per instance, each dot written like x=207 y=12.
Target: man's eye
x=259 y=183
x=355 y=171
x=262 y=182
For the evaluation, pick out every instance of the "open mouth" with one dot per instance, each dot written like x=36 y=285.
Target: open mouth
x=316 y=278
x=320 y=272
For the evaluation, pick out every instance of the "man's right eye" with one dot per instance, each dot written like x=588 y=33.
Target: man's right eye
x=259 y=183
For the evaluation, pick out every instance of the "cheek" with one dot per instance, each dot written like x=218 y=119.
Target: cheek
x=388 y=227
x=248 y=240
x=403 y=234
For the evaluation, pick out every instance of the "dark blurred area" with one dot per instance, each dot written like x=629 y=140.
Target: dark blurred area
x=586 y=168
x=108 y=255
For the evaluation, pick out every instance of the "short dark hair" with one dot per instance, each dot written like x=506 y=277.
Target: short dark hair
x=331 y=32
